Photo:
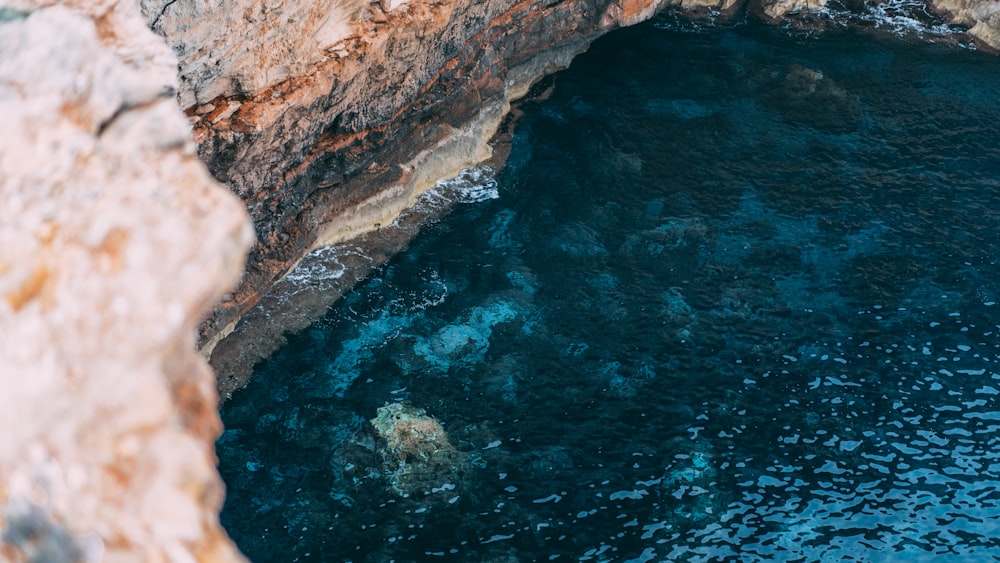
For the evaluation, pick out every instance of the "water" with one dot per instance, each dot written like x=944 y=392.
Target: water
x=735 y=297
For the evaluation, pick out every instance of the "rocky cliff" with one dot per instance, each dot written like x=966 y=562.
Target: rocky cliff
x=329 y=118
x=114 y=242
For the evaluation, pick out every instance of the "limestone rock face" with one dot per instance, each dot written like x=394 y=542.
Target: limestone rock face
x=286 y=38
x=114 y=241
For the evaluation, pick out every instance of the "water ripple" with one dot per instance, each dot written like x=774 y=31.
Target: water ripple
x=738 y=302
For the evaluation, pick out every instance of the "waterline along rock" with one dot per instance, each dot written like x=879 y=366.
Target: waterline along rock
x=332 y=129
x=114 y=241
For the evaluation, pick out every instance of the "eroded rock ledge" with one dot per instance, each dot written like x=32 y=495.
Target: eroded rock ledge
x=331 y=131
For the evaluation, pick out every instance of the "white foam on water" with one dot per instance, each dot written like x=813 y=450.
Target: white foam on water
x=471 y=185
x=497 y=537
x=632 y=495
x=899 y=17
x=322 y=264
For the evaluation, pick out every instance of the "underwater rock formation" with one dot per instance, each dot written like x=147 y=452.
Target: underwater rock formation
x=114 y=241
x=418 y=457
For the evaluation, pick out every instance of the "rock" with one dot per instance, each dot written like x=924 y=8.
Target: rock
x=244 y=46
x=417 y=454
x=778 y=9
x=390 y=5
x=807 y=97
x=983 y=18
x=721 y=6
x=690 y=487
x=114 y=240
x=988 y=30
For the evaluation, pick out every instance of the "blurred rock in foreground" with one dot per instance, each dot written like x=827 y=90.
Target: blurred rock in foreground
x=114 y=241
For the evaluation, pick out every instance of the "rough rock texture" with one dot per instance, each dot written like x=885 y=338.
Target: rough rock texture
x=114 y=241
x=777 y=9
x=342 y=143
x=983 y=18
x=721 y=6
x=417 y=454
x=287 y=38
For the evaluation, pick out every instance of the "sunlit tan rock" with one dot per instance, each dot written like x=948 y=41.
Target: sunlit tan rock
x=777 y=9
x=983 y=17
x=114 y=240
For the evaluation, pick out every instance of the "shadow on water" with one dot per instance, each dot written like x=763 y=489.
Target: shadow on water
x=736 y=300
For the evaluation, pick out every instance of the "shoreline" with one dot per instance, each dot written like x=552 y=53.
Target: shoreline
x=359 y=243
x=372 y=231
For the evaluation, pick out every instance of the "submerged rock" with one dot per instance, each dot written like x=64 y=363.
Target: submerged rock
x=417 y=454
x=808 y=97
x=690 y=484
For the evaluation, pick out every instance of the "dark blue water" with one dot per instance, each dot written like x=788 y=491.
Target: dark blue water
x=737 y=299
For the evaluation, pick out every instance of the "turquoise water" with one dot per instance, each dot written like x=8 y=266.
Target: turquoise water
x=734 y=297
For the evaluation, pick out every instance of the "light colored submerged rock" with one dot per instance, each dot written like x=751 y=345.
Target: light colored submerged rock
x=114 y=240
x=417 y=453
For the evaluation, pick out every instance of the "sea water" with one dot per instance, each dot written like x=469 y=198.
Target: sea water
x=735 y=296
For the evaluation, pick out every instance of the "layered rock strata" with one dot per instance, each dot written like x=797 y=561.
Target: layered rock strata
x=114 y=241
